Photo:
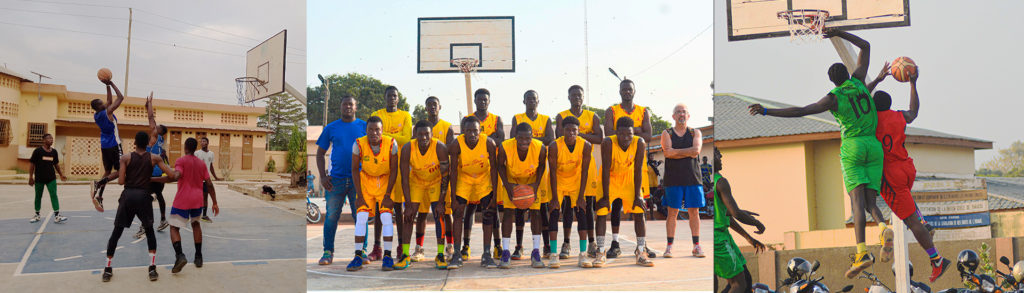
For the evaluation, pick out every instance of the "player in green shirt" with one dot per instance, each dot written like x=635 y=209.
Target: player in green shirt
x=729 y=261
x=860 y=152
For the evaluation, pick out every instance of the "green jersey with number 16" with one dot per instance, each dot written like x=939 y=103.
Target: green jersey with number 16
x=855 y=109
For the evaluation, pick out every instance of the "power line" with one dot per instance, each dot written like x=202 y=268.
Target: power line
x=676 y=51
x=62 y=29
x=60 y=13
x=79 y=4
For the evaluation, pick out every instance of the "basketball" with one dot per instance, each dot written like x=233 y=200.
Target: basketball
x=104 y=74
x=903 y=68
x=523 y=196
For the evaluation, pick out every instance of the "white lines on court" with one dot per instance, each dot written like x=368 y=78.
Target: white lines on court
x=32 y=246
x=67 y=258
x=588 y=285
x=80 y=216
x=115 y=249
x=207 y=234
x=139 y=240
x=269 y=262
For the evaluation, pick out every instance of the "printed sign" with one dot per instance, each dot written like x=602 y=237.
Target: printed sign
x=946 y=208
x=947 y=196
x=959 y=221
x=937 y=185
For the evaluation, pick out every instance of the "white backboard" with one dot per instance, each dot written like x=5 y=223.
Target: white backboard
x=266 y=63
x=489 y=39
x=758 y=19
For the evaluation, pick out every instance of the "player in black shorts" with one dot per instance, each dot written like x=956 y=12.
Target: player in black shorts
x=110 y=141
x=134 y=173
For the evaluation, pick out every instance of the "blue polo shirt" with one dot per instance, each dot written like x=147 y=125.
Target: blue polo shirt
x=341 y=135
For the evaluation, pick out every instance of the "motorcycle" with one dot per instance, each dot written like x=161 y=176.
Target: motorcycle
x=313 y=215
x=878 y=287
x=800 y=279
x=967 y=264
x=1012 y=282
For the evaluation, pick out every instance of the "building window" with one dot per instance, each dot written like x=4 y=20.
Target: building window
x=136 y=113
x=8 y=109
x=188 y=115
x=80 y=109
x=5 y=132
x=35 y=134
x=236 y=119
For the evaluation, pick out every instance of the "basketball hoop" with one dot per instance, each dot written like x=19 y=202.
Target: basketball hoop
x=248 y=87
x=467 y=66
x=805 y=25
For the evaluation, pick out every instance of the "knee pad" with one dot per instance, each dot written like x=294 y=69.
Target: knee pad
x=361 y=219
x=489 y=217
x=385 y=220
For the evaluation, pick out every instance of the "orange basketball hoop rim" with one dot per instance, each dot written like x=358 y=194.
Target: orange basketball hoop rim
x=805 y=24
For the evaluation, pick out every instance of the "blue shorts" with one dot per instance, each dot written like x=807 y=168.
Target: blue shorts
x=692 y=195
x=183 y=218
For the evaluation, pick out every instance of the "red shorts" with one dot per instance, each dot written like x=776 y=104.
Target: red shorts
x=897 y=179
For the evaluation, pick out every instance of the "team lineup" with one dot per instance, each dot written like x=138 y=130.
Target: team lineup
x=393 y=172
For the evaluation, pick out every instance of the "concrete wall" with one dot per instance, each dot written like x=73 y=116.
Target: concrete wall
x=770 y=267
x=771 y=180
x=929 y=158
x=280 y=160
x=10 y=100
x=831 y=203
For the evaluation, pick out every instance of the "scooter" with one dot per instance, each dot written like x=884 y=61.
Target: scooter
x=313 y=215
x=800 y=279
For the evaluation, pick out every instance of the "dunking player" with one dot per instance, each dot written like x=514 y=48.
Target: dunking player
x=860 y=152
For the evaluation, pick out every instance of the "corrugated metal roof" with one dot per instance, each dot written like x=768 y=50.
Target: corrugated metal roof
x=734 y=122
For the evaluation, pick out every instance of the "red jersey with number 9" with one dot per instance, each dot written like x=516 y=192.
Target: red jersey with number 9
x=891 y=132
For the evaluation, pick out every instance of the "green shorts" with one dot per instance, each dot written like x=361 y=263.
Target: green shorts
x=861 y=158
x=729 y=262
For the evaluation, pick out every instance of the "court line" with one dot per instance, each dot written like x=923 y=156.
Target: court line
x=587 y=285
x=139 y=240
x=205 y=234
x=67 y=258
x=32 y=246
x=146 y=266
x=546 y=271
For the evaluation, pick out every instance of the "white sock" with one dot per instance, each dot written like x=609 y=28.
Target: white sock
x=640 y=241
x=505 y=243
x=536 y=242
x=152 y=258
x=359 y=245
x=388 y=229
x=600 y=242
x=615 y=237
x=109 y=260
x=387 y=245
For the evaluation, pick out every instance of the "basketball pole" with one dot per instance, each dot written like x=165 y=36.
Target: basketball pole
x=469 y=93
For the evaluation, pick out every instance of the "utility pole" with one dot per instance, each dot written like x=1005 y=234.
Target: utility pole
x=39 y=92
x=128 y=56
x=586 y=52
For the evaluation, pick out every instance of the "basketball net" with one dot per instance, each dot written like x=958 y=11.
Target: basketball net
x=246 y=86
x=468 y=67
x=805 y=25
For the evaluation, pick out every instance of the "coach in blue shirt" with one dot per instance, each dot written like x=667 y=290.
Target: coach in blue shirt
x=341 y=134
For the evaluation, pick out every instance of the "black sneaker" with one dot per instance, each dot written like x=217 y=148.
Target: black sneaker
x=198 y=260
x=614 y=251
x=179 y=263
x=152 y=273
x=107 y=273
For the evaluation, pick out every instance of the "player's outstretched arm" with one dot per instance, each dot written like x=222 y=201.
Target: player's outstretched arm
x=915 y=104
x=863 y=57
x=725 y=194
x=153 y=132
x=878 y=79
x=827 y=102
x=735 y=226
x=113 y=105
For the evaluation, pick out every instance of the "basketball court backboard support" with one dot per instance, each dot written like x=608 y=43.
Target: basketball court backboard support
x=466 y=45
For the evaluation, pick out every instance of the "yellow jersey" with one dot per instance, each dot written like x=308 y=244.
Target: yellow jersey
x=375 y=168
x=440 y=130
x=586 y=120
x=424 y=169
x=637 y=115
x=474 y=163
x=569 y=167
x=539 y=125
x=489 y=125
x=622 y=165
x=522 y=171
x=397 y=124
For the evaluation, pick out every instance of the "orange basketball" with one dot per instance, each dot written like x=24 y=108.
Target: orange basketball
x=523 y=196
x=902 y=69
x=104 y=74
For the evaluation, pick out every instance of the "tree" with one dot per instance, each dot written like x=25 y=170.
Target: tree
x=368 y=92
x=1009 y=162
x=296 y=155
x=419 y=113
x=283 y=112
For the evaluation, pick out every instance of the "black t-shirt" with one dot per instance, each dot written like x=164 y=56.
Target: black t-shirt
x=44 y=162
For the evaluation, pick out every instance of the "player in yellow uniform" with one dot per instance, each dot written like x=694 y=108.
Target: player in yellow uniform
x=521 y=161
x=541 y=125
x=424 y=162
x=374 y=159
x=473 y=176
x=442 y=131
x=623 y=157
x=641 y=123
x=490 y=126
x=590 y=129
x=397 y=125
x=569 y=159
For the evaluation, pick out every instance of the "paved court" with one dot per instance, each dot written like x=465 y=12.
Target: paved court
x=683 y=272
x=251 y=245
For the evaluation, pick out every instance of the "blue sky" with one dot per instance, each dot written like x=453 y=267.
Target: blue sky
x=379 y=39
x=968 y=53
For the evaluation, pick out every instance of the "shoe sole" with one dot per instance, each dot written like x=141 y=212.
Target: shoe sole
x=353 y=269
x=153 y=278
x=96 y=204
x=698 y=256
x=178 y=265
x=106 y=278
x=887 y=246
x=854 y=271
x=945 y=263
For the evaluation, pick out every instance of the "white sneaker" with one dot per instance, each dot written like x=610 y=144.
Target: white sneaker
x=163 y=225
x=668 y=252
x=58 y=219
x=697 y=252
x=34 y=219
x=418 y=255
x=553 y=261
x=585 y=261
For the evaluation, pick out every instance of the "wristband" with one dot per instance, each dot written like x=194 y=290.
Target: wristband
x=764 y=112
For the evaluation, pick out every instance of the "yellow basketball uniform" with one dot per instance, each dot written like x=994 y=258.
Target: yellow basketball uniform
x=440 y=133
x=568 y=170
x=375 y=171
x=621 y=179
x=638 y=120
x=523 y=172
x=424 y=175
x=474 y=171
x=397 y=125
x=489 y=125
x=586 y=119
x=539 y=125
